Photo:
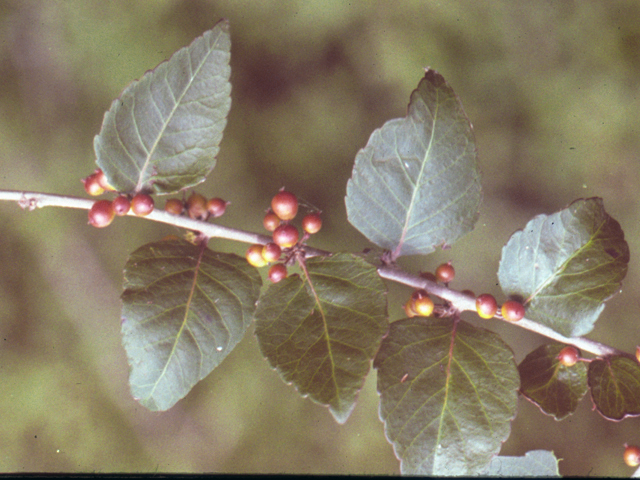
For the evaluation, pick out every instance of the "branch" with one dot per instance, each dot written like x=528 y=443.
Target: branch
x=33 y=200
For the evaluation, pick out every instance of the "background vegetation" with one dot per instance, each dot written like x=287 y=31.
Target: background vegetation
x=552 y=91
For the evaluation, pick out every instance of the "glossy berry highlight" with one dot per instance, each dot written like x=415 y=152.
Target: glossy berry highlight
x=286 y=236
x=271 y=221
x=92 y=186
x=486 y=305
x=312 y=223
x=142 y=204
x=216 y=207
x=121 y=205
x=254 y=256
x=568 y=356
x=632 y=455
x=512 y=311
x=277 y=272
x=445 y=273
x=102 y=181
x=285 y=205
x=423 y=306
x=101 y=214
x=271 y=252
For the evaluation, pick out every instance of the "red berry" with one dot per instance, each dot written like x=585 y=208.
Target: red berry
x=102 y=180
x=254 y=256
x=91 y=185
x=632 y=455
x=174 y=206
x=445 y=273
x=285 y=205
x=277 y=272
x=286 y=235
x=468 y=293
x=197 y=206
x=486 y=305
x=271 y=221
x=638 y=353
x=423 y=306
x=216 y=207
x=121 y=205
x=312 y=223
x=568 y=356
x=512 y=311
x=142 y=204
x=428 y=276
x=271 y=252
x=101 y=213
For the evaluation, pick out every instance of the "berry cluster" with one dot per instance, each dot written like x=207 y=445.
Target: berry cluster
x=197 y=207
x=284 y=208
x=487 y=307
x=420 y=304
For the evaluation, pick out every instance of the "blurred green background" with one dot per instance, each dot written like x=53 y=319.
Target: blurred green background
x=552 y=89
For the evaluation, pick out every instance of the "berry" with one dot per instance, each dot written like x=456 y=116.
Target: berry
x=468 y=293
x=428 y=276
x=445 y=273
x=568 y=356
x=91 y=185
x=286 y=236
x=277 y=272
x=121 y=205
x=486 y=305
x=174 y=206
x=512 y=311
x=197 y=206
x=216 y=207
x=285 y=205
x=632 y=455
x=271 y=221
x=312 y=223
x=102 y=180
x=408 y=309
x=271 y=252
x=142 y=204
x=638 y=353
x=254 y=256
x=101 y=213
x=423 y=306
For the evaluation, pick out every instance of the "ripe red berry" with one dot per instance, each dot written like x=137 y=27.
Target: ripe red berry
x=568 y=356
x=174 y=206
x=632 y=455
x=197 y=206
x=142 y=204
x=91 y=185
x=216 y=207
x=102 y=180
x=512 y=311
x=254 y=256
x=271 y=221
x=286 y=235
x=277 y=272
x=285 y=205
x=312 y=223
x=271 y=252
x=638 y=353
x=486 y=305
x=121 y=205
x=445 y=273
x=423 y=306
x=101 y=213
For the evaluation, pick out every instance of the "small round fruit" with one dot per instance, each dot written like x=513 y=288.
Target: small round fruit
x=102 y=181
x=271 y=252
x=638 y=353
x=408 y=309
x=142 y=204
x=286 y=235
x=423 y=306
x=121 y=205
x=271 y=221
x=312 y=223
x=468 y=293
x=174 y=206
x=101 y=213
x=197 y=206
x=568 y=356
x=285 y=205
x=512 y=311
x=91 y=185
x=277 y=272
x=254 y=256
x=216 y=207
x=486 y=305
x=632 y=455
x=445 y=273
x=428 y=276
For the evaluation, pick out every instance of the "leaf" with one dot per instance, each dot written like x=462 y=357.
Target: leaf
x=615 y=386
x=565 y=265
x=554 y=388
x=536 y=463
x=416 y=184
x=162 y=134
x=321 y=334
x=184 y=309
x=448 y=394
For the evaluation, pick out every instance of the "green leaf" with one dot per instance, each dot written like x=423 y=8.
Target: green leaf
x=448 y=394
x=184 y=309
x=536 y=463
x=162 y=134
x=416 y=184
x=554 y=388
x=615 y=386
x=565 y=265
x=321 y=334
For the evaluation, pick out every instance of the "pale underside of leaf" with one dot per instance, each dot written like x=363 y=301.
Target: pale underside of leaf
x=536 y=463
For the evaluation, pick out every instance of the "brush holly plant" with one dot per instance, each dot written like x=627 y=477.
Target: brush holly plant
x=448 y=389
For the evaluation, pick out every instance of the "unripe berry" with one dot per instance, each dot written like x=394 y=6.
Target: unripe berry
x=408 y=309
x=632 y=455
x=174 y=206
x=312 y=223
x=638 y=353
x=197 y=206
x=445 y=273
x=512 y=311
x=271 y=252
x=91 y=185
x=486 y=305
x=142 y=204
x=254 y=256
x=102 y=180
x=286 y=236
x=277 y=272
x=216 y=207
x=568 y=356
x=121 y=205
x=101 y=213
x=285 y=205
x=271 y=221
x=423 y=306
